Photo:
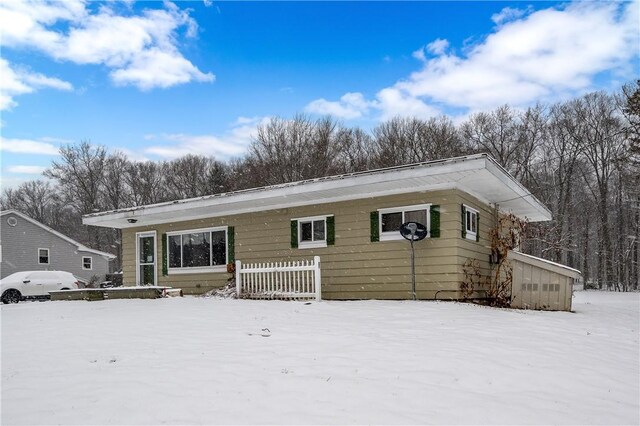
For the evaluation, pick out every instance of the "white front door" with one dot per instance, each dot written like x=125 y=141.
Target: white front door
x=146 y=272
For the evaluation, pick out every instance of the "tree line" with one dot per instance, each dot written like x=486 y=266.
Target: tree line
x=581 y=158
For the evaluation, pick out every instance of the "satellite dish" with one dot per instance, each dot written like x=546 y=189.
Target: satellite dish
x=413 y=231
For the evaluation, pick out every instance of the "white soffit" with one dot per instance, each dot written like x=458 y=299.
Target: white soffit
x=479 y=175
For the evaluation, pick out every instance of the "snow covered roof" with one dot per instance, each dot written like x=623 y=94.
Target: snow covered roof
x=544 y=263
x=479 y=175
x=81 y=247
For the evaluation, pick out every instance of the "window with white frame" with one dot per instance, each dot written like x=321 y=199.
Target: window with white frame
x=197 y=250
x=470 y=222
x=391 y=219
x=87 y=263
x=43 y=256
x=312 y=232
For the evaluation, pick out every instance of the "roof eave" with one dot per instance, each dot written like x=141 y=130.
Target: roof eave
x=376 y=183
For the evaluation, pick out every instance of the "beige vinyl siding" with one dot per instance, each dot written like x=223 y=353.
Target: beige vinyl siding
x=353 y=268
x=479 y=250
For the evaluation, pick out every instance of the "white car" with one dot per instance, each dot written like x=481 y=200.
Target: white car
x=35 y=284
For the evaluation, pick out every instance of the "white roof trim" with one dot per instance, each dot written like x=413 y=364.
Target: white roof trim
x=478 y=175
x=81 y=247
x=570 y=272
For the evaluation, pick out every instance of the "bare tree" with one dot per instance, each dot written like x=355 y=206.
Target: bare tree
x=601 y=134
x=354 y=148
x=496 y=133
x=630 y=106
x=145 y=183
x=34 y=198
x=398 y=141
x=292 y=150
x=79 y=173
x=116 y=191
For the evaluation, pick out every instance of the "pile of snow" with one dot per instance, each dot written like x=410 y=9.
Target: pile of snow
x=211 y=361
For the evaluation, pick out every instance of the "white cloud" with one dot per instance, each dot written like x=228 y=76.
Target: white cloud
x=232 y=143
x=167 y=69
x=17 y=81
x=27 y=146
x=132 y=155
x=393 y=102
x=548 y=52
x=436 y=47
x=350 y=106
x=30 y=170
x=545 y=55
x=509 y=14
x=140 y=50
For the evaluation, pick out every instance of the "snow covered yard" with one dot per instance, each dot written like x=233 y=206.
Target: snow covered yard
x=206 y=361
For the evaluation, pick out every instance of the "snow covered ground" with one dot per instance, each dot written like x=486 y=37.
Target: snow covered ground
x=205 y=361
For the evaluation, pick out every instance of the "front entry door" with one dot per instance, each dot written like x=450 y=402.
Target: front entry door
x=146 y=262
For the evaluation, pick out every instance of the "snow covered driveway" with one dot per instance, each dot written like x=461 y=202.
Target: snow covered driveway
x=206 y=361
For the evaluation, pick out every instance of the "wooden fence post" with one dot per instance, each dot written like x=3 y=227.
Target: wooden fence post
x=238 y=283
x=317 y=280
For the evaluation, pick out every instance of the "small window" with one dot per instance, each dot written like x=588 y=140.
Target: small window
x=470 y=224
x=392 y=218
x=87 y=262
x=43 y=256
x=312 y=232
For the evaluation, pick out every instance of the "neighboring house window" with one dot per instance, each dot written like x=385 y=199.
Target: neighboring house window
x=87 y=262
x=390 y=220
x=198 y=250
x=312 y=232
x=470 y=223
x=43 y=256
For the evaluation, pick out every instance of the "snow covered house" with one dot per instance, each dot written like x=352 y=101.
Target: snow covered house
x=28 y=245
x=350 y=221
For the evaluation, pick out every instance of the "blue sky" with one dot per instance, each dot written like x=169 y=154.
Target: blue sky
x=157 y=80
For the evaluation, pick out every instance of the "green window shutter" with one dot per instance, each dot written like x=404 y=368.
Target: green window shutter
x=165 y=262
x=294 y=234
x=464 y=218
x=375 y=226
x=434 y=213
x=477 y=226
x=331 y=230
x=231 y=244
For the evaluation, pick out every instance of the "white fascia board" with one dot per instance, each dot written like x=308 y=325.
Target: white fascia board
x=98 y=252
x=300 y=194
x=521 y=194
x=169 y=215
x=544 y=263
x=446 y=174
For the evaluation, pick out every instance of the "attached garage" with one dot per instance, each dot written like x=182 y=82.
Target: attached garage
x=541 y=284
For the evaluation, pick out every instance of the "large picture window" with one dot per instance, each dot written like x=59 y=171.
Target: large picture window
x=199 y=250
x=391 y=219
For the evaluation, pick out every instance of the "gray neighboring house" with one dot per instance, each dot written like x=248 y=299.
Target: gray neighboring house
x=28 y=245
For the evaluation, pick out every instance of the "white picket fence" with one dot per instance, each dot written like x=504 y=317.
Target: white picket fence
x=279 y=280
